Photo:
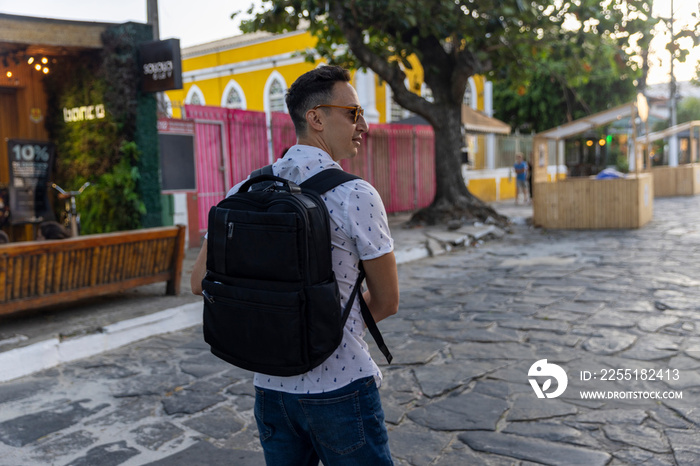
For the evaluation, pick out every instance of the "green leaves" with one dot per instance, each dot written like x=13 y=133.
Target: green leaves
x=113 y=203
x=551 y=61
x=689 y=110
x=101 y=151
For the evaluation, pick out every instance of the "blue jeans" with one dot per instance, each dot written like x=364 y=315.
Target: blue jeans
x=342 y=427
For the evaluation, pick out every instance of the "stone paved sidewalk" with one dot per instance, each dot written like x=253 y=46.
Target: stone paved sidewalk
x=472 y=326
x=40 y=339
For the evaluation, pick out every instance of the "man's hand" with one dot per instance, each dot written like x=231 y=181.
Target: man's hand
x=200 y=269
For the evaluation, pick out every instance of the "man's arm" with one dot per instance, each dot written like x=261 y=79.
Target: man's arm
x=199 y=270
x=382 y=295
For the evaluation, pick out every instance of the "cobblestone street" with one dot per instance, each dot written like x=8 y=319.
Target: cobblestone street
x=616 y=310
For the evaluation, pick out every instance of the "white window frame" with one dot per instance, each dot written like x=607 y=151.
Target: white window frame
x=473 y=96
x=168 y=104
x=233 y=85
x=390 y=103
x=275 y=75
x=195 y=90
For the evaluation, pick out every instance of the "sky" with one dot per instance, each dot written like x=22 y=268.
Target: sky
x=197 y=22
x=193 y=22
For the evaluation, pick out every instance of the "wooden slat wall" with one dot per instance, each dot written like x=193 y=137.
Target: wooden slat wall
x=683 y=180
x=34 y=274
x=587 y=203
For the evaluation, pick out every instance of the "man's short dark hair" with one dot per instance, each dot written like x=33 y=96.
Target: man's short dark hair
x=310 y=89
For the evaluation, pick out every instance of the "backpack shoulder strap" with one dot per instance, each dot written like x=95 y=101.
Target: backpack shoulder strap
x=328 y=179
x=266 y=170
x=374 y=330
x=366 y=315
x=321 y=183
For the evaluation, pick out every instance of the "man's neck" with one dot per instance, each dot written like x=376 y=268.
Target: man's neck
x=316 y=142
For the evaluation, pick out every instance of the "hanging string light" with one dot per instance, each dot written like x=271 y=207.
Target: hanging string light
x=10 y=61
x=6 y=64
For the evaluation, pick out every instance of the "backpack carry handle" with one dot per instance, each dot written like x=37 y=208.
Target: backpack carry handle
x=287 y=185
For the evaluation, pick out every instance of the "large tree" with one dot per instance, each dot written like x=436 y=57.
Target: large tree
x=578 y=77
x=568 y=84
x=453 y=40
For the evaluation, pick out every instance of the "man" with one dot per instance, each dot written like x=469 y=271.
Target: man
x=520 y=178
x=333 y=412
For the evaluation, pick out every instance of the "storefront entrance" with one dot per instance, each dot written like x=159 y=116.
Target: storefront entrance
x=22 y=113
x=8 y=126
x=72 y=111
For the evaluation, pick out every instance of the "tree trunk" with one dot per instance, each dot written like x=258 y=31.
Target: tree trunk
x=452 y=201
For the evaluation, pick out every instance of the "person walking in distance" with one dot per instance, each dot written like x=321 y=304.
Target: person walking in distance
x=520 y=168
x=529 y=178
x=332 y=413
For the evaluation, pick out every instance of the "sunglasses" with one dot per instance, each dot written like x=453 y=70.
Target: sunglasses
x=358 y=111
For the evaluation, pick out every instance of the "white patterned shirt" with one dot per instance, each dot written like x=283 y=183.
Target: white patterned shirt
x=359 y=231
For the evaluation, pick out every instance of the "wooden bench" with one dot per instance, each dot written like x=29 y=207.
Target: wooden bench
x=36 y=274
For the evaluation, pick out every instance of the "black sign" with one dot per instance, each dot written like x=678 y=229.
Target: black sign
x=177 y=167
x=161 y=67
x=30 y=170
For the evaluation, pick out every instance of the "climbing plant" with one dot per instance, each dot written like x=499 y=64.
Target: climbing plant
x=102 y=142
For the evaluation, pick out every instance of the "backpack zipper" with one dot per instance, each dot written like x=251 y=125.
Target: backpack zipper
x=230 y=230
x=209 y=297
x=301 y=209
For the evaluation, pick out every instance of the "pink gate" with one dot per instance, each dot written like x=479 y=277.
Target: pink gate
x=283 y=135
x=397 y=159
x=424 y=155
x=247 y=143
x=230 y=144
x=210 y=160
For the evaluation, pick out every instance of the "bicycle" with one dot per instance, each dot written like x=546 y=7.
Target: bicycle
x=71 y=217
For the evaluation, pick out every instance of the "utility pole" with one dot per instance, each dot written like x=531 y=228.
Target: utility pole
x=673 y=143
x=152 y=19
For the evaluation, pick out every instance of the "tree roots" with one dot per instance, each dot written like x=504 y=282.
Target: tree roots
x=464 y=210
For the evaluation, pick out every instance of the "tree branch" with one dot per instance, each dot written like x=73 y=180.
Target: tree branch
x=389 y=71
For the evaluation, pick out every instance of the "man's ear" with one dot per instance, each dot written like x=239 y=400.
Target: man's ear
x=314 y=120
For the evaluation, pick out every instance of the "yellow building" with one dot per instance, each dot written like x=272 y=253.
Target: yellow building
x=253 y=72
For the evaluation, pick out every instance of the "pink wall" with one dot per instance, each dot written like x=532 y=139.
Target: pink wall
x=397 y=159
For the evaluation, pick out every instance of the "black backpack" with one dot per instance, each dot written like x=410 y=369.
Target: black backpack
x=271 y=301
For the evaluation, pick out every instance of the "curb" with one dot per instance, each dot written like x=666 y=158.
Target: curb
x=410 y=255
x=23 y=361
x=20 y=362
